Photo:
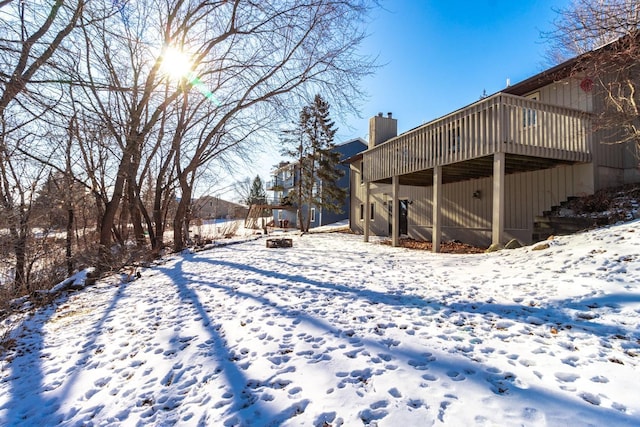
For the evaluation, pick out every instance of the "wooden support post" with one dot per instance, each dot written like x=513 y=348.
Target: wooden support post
x=367 y=209
x=436 y=232
x=395 y=214
x=497 y=235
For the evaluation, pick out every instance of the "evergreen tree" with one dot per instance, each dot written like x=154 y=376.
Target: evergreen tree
x=317 y=162
x=257 y=194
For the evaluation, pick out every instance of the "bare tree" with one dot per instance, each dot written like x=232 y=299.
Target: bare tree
x=29 y=39
x=249 y=62
x=96 y=78
x=604 y=38
x=31 y=33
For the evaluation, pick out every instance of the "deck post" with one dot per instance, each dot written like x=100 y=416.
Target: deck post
x=436 y=232
x=497 y=237
x=395 y=215
x=367 y=209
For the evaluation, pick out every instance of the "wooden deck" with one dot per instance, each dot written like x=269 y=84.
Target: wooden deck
x=532 y=135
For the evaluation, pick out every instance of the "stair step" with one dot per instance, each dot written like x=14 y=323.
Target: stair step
x=551 y=223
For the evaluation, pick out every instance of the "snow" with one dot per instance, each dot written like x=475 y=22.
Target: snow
x=335 y=331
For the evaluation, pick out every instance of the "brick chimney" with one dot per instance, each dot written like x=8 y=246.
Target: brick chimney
x=382 y=129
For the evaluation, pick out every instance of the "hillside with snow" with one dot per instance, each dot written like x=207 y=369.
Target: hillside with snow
x=335 y=331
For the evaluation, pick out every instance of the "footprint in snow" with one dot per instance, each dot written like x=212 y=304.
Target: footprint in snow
x=455 y=375
x=566 y=377
x=415 y=403
x=395 y=393
x=500 y=383
x=422 y=363
x=368 y=416
x=379 y=404
x=591 y=398
x=295 y=390
x=443 y=408
x=325 y=419
x=571 y=361
x=531 y=414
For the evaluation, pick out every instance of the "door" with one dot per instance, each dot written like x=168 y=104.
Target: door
x=404 y=215
x=403 y=208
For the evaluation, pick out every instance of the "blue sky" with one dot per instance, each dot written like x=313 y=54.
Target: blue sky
x=438 y=56
x=441 y=55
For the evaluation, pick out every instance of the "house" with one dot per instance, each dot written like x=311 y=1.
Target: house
x=209 y=207
x=285 y=178
x=483 y=173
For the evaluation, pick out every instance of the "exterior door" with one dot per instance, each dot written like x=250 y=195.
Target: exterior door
x=404 y=214
x=403 y=208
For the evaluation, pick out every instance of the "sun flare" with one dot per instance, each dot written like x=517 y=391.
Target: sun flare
x=175 y=63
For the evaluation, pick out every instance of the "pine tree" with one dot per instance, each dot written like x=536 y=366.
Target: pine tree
x=317 y=162
x=257 y=194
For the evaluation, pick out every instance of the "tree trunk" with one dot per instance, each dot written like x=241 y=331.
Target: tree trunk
x=69 y=240
x=180 y=224
x=300 y=219
x=20 y=252
x=111 y=207
x=135 y=216
x=158 y=219
x=110 y=211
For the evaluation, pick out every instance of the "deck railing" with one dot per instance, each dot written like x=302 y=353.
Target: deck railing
x=500 y=123
x=279 y=184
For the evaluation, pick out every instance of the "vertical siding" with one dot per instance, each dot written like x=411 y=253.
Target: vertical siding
x=467 y=218
x=567 y=93
x=613 y=161
x=357 y=197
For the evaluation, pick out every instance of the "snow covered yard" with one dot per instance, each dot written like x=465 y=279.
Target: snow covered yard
x=335 y=331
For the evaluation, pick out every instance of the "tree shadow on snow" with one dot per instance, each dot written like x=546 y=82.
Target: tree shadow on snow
x=247 y=404
x=27 y=379
x=454 y=367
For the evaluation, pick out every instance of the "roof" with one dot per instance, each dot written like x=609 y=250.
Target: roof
x=544 y=78
x=564 y=69
x=355 y=158
x=338 y=148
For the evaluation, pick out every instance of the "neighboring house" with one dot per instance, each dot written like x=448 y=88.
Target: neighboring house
x=209 y=207
x=285 y=178
x=482 y=174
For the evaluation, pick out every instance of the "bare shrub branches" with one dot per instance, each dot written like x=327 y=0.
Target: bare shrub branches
x=605 y=37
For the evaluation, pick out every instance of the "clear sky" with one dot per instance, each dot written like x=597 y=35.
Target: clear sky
x=440 y=55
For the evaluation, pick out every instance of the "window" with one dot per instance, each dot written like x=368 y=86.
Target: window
x=372 y=212
x=362 y=172
x=313 y=214
x=361 y=212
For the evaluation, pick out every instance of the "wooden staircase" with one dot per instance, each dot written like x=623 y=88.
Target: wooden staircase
x=562 y=221
x=256 y=214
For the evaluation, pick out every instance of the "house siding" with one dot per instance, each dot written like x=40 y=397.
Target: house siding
x=545 y=129
x=614 y=164
x=567 y=93
x=467 y=218
x=322 y=216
